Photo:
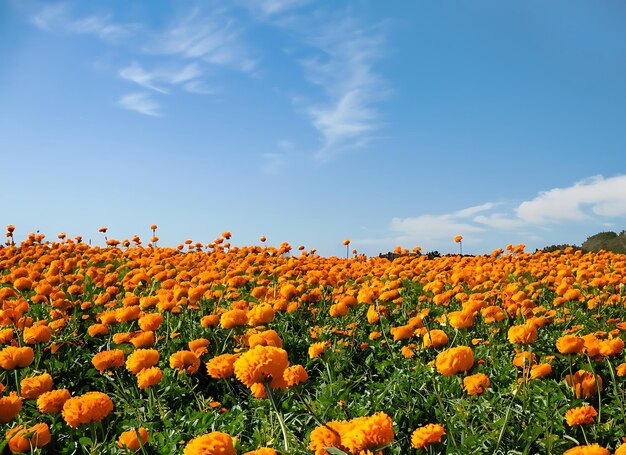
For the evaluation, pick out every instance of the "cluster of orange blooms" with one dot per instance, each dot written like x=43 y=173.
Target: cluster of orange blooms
x=125 y=294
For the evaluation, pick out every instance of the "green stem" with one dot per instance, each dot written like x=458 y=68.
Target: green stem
x=595 y=378
x=444 y=414
x=278 y=414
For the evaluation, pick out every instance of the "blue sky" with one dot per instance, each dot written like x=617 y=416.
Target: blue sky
x=388 y=123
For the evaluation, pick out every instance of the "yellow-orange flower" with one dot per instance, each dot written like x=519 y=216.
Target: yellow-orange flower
x=435 y=338
x=262 y=451
x=149 y=377
x=215 y=443
x=570 y=344
x=185 y=361
x=106 y=360
x=263 y=363
x=130 y=439
x=142 y=358
x=317 y=349
x=22 y=440
x=10 y=406
x=37 y=334
x=584 y=384
x=36 y=385
x=523 y=334
x=52 y=402
x=233 y=318
x=294 y=375
x=13 y=357
x=427 y=435
x=476 y=383
x=87 y=408
x=454 y=360
x=592 y=449
x=222 y=366
x=582 y=415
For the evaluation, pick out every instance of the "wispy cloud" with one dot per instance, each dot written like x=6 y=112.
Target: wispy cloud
x=214 y=38
x=142 y=103
x=57 y=18
x=343 y=67
x=598 y=201
x=155 y=79
x=269 y=8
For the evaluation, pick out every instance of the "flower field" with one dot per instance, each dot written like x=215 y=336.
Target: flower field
x=216 y=349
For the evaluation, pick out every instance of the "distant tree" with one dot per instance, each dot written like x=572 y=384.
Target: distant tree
x=561 y=247
x=608 y=241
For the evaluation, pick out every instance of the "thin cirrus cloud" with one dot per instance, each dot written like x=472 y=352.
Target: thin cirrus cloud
x=214 y=38
x=142 y=103
x=56 y=18
x=597 y=200
x=345 y=71
x=160 y=77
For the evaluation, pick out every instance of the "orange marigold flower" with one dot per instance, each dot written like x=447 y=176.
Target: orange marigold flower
x=540 y=371
x=294 y=375
x=524 y=359
x=523 y=334
x=150 y=322
x=582 y=415
x=263 y=363
x=317 y=349
x=13 y=357
x=611 y=347
x=324 y=436
x=454 y=360
x=222 y=366
x=23 y=284
x=427 y=435
x=460 y=319
x=149 y=377
x=209 y=321
x=402 y=332
x=215 y=443
x=10 y=406
x=142 y=358
x=106 y=360
x=476 y=383
x=584 y=383
x=87 y=408
x=262 y=451
x=97 y=329
x=22 y=440
x=435 y=338
x=37 y=334
x=368 y=433
x=265 y=338
x=233 y=318
x=143 y=339
x=185 y=361
x=621 y=369
x=34 y=386
x=592 y=449
x=570 y=344
x=261 y=314
x=52 y=402
x=130 y=439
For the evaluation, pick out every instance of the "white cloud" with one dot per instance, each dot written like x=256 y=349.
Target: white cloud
x=162 y=76
x=595 y=196
x=56 y=18
x=213 y=38
x=344 y=69
x=593 y=202
x=269 y=8
x=142 y=103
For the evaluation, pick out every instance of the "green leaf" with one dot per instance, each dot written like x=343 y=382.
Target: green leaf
x=85 y=441
x=334 y=451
